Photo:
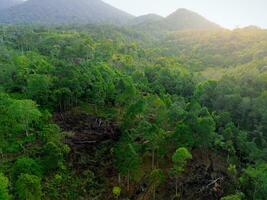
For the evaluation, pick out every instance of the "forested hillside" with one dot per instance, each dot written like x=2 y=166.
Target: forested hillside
x=103 y=112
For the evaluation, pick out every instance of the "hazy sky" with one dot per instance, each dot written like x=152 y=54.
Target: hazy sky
x=228 y=13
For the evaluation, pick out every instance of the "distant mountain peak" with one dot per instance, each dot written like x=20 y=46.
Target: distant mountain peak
x=181 y=10
x=181 y=19
x=186 y=19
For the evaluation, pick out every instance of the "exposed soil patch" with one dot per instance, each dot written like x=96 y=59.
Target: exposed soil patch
x=89 y=135
x=205 y=178
x=91 y=143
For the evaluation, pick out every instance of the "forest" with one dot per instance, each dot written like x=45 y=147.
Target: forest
x=100 y=112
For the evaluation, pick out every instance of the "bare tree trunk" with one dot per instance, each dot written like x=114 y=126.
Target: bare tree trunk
x=157 y=160
x=27 y=127
x=255 y=191
x=181 y=192
x=153 y=159
x=154 y=192
x=128 y=181
x=119 y=178
x=176 y=186
x=2 y=154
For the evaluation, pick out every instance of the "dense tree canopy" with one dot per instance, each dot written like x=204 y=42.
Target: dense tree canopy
x=178 y=101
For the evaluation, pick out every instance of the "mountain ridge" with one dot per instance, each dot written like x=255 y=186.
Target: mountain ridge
x=148 y=17
x=181 y=19
x=64 y=11
x=97 y=11
x=5 y=4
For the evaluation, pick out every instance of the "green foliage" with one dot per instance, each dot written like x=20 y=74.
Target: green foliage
x=161 y=92
x=28 y=187
x=51 y=133
x=53 y=156
x=26 y=165
x=183 y=135
x=179 y=160
x=127 y=158
x=38 y=88
x=254 y=182
x=233 y=197
x=4 y=183
x=116 y=191
x=156 y=177
x=24 y=112
x=232 y=170
x=205 y=92
x=69 y=185
x=18 y=117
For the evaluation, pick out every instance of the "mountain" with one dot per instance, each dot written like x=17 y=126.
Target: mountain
x=181 y=19
x=5 y=4
x=147 y=23
x=184 y=19
x=64 y=12
x=97 y=11
x=145 y=19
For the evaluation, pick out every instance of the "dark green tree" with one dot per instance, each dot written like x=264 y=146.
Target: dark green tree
x=254 y=182
x=26 y=165
x=127 y=159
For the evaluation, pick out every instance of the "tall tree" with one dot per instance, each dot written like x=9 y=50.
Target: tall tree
x=179 y=159
x=25 y=112
x=156 y=178
x=127 y=159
